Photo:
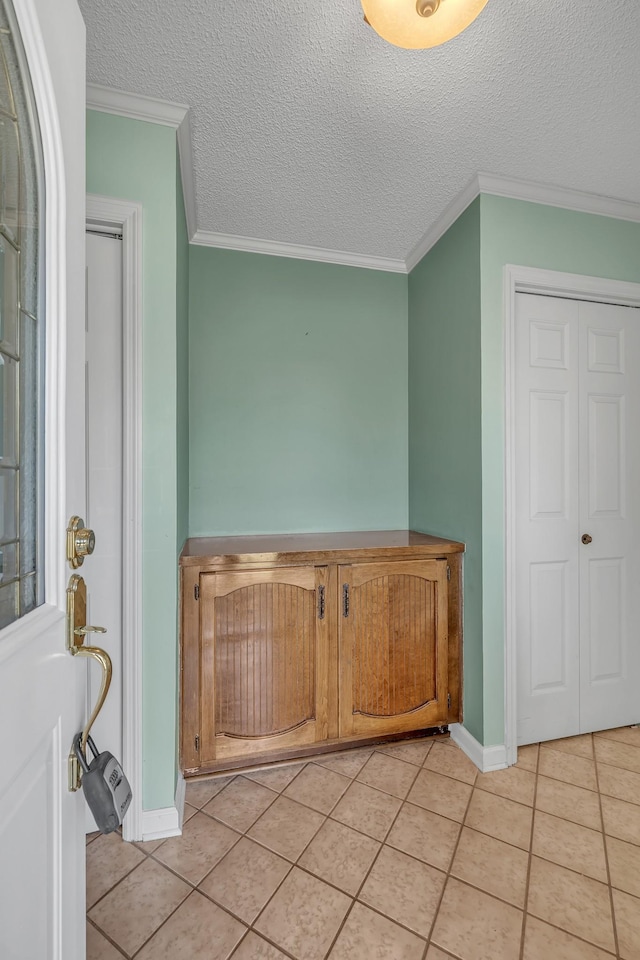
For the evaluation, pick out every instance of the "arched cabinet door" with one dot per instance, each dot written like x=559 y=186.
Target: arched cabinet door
x=393 y=647
x=264 y=661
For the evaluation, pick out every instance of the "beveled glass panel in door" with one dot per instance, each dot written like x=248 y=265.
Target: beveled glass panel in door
x=21 y=333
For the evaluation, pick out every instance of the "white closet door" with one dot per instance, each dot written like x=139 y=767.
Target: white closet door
x=547 y=518
x=577 y=475
x=610 y=515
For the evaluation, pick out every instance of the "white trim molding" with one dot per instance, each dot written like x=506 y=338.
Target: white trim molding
x=178 y=115
x=486 y=759
x=318 y=254
x=105 y=212
x=135 y=106
x=564 y=197
x=152 y=110
x=446 y=220
x=527 y=190
x=185 y=152
x=549 y=283
x=166 y=821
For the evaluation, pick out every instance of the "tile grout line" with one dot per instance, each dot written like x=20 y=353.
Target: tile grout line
x=330 y=815
x=118 y=881
x=354 y=899
x=448 y=871
x=296 y=863
x=555 y=926
x=382 y=842
x=158 y=928
x=107 y=938
x=340 y=928
x=231 y=826
x=606 y=858
x=417 y=859
x=292 y=864
x=262 y=936
x=525 y=905
x=195 y=887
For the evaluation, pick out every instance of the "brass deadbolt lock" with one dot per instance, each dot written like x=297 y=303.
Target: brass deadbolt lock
x=80 y=542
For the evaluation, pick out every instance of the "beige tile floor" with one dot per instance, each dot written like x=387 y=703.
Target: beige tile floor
x=402 y=852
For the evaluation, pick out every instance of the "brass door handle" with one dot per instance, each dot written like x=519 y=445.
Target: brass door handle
x=586 y=538
x=77 y=630
x=104 y=660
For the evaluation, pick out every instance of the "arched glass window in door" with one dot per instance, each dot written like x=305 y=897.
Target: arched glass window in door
x=21 y=333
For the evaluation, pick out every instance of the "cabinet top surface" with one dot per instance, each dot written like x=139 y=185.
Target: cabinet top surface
x=318 y=547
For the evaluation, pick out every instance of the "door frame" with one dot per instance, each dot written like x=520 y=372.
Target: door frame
x=570 y=286
x=123 y=216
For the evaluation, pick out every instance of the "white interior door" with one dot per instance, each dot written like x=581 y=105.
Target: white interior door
x=104 y=475
x=577 y=416
x=610 y=514
x=42 y=687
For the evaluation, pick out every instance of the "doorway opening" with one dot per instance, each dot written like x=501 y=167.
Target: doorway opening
x=114 y=472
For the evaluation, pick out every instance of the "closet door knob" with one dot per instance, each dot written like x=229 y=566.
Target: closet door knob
x=586 y=538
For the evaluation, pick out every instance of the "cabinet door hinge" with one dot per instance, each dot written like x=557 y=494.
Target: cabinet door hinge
x=448 y=572
x=196 y=592
x=345 y=599
x=449 y=701
x=197 y=742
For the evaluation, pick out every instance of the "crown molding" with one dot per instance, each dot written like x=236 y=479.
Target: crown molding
x=526 y=190
x=446 y=220
x=319 y=254
x=185 y=152
x=566 y=198
x=177 y=115
x=135 y=106
x=152 y=110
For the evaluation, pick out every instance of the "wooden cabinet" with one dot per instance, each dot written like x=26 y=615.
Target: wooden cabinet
x=393 y=647
x=264 y=653
x=296 y=644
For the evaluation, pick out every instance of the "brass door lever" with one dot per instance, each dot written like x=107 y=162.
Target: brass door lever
x=104 y=660
x=77 y=630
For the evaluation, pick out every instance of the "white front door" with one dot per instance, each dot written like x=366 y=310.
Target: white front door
x=42 y=687
x=577 y=422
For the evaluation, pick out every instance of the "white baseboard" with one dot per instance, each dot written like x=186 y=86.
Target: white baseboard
x=486 y=759
x=166 y=821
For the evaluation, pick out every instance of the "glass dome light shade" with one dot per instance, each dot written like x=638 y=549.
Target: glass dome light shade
x=400 y=22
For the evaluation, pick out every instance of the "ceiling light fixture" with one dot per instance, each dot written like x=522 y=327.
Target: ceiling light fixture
x=418 y=24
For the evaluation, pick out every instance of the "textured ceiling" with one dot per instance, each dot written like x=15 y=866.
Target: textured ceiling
x=309 y=129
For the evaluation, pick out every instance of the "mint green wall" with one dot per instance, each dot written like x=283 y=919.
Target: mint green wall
x=182 y=398
x=445 y=476
x=133 y=160
x=304 y=401
x=533 y=235
x=182 y=361
x=298 y=395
